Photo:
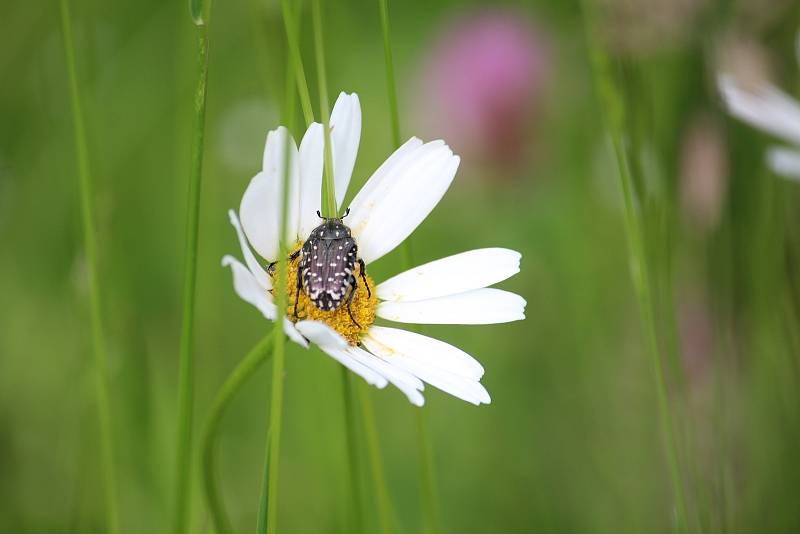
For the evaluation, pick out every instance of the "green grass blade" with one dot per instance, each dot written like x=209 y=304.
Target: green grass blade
x=296 y=60
x=90 y=245
x=385 y=513
x=429 y=500
x=391 y=86
x=268 y=503
x=330 y=208
x=614 y=107
x=328 y=188
x=356 y=505
x=184 y=451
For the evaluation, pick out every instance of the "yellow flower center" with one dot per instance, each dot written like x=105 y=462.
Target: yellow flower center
x=362 y=307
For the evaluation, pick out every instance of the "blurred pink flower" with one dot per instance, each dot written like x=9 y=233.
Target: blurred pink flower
x=696 y=332
x=481 y=84
x=704 y=172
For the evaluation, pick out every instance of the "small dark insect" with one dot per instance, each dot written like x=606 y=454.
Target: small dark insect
x=327 y=266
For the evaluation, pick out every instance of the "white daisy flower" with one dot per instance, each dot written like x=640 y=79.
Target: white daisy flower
x=769 y=109
x=393 y=202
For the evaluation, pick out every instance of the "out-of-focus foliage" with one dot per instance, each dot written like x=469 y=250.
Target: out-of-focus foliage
x=570 y=442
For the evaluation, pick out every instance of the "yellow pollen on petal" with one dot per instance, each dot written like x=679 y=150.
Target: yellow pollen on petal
x=362 y=307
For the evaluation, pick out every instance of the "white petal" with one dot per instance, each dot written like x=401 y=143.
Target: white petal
x=399 y=195
x=766 y=108
x=427 y=350
x=422 y=356
x=479 y=306
x=345 y=138
x=321 y=334
x=334 y=345
x=402 y=379
x=290 y=330
x=260 y=209
x=259 y=273
x=248 y=289
x=785 y=162
x=451 y=275
x=311 y=163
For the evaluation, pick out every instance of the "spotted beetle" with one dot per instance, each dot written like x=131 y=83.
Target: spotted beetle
x=326 y=271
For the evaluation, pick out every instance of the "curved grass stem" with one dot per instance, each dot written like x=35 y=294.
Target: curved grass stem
x=100 y=360
x=259 y=354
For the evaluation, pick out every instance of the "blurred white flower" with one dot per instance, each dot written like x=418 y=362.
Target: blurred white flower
x=764 y=106
x=393 y=202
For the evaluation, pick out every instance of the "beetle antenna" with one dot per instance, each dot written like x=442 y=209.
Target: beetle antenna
x=346 y=213
x=319 y=215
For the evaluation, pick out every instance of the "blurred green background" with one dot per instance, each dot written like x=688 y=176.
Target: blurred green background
x=571 y=441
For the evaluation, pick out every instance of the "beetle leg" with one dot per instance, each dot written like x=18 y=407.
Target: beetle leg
x=363 y=272
x=354 y=283
x=298 y=285
x=293 y=255
x=271 y=268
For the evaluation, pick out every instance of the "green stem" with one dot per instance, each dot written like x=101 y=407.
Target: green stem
x=186 y=373
x=615 y=117
x=90 y=246
x=268 y=503
x=356 y=507
x=429 y=500
x=328 y=187
x=430 y=497
x=246 y=368
x=293 y=41
x=331 y=210
x=375 y=460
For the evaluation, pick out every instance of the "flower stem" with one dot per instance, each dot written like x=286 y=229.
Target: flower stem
x=328 y=187
x=614 y=108
x=186 y=359
x=429 y=500
x=375 y=460
x=246 y=368
x=90 y=246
